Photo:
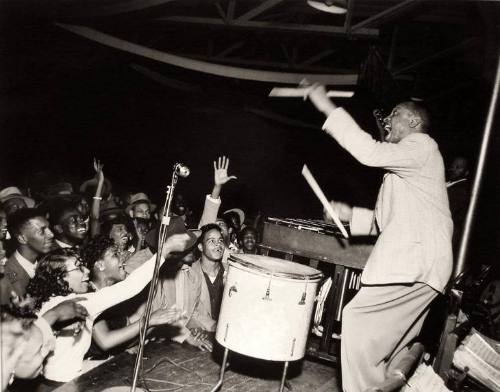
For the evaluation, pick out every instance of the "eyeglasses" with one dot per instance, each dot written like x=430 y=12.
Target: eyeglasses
x=78 y=266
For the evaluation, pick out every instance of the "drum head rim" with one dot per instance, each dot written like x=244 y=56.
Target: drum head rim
x=235 y=261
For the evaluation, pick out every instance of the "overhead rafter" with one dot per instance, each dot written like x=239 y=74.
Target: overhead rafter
x=434 y=56
x=205 y=67
x=386 y=14
x=263 y=7
x=271 y=26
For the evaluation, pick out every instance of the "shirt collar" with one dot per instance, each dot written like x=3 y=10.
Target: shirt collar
x=27 y=265
x=63 y=244
x=451 y=183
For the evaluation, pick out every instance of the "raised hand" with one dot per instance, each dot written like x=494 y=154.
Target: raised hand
x=317 y=95
x=98 y=166
x=220 y=171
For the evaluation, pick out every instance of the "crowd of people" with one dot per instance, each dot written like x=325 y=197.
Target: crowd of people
x=75 y=268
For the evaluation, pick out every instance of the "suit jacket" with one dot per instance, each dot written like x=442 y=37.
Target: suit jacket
x=195 y=299
x=411 y=213
x=459 y=196
x=15 y=279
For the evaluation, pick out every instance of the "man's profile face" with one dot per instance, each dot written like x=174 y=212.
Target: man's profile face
x=12 y=205
x=212 y=246
x=141 y=210
x=397 y=124
x=37 y=235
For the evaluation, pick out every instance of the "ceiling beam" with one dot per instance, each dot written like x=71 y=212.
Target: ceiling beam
x=263 y=7
x=206 y=67
x=386 y=14
x=314 y=59
x=272 y=26
x=434 y=56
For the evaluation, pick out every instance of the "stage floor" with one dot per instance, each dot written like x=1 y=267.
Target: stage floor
x=174 y=367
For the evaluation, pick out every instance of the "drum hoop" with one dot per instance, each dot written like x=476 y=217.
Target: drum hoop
x=289 y=275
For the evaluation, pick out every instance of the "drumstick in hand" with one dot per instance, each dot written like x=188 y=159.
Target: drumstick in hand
x=303 y=91
x=322 y=198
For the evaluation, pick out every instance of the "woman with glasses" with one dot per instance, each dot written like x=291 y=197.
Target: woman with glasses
x=60 y=275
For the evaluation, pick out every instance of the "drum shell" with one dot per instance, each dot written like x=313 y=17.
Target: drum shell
x=266 y=324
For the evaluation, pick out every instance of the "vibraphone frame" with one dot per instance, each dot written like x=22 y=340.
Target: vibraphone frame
x=347 y=257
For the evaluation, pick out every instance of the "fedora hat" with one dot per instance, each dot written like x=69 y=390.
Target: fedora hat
x=13 y=192
x=137 y=198
x=61 y=188
x=239 y=212
x=109 y=210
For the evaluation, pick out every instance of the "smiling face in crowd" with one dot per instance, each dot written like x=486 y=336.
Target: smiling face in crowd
x=77 y=275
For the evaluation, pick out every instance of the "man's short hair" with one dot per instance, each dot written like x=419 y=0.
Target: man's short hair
x=421 y=112
x=20 y=218
x=205 y=229
x=59 y=207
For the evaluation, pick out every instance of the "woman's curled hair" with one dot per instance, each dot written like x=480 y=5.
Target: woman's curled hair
x=49 y=276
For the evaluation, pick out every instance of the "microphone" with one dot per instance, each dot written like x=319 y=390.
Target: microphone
x=182 y=170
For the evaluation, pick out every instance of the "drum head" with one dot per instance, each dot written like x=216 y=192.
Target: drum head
x=275 y=267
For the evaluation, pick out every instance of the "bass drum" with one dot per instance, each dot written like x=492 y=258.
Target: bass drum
x=267 y=307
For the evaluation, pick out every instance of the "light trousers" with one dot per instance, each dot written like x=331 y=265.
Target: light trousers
x=377 y=325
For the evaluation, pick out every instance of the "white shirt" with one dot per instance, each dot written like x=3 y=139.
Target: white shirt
x=65 y=363
x=27 y=265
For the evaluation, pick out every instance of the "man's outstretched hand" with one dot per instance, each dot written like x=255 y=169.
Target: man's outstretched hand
x=220 y=171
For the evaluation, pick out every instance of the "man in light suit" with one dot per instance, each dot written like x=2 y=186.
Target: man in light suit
x=412 y=259
x=31 y=231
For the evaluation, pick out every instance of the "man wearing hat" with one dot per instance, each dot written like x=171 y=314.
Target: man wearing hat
x=11 y=200
x=139 y=206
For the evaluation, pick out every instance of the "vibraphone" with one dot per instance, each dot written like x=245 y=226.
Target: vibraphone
x=319 y=241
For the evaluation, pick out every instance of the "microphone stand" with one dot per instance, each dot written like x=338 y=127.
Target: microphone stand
x=162 y=236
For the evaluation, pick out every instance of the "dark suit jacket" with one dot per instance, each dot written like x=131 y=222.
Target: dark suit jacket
x=15 y=279
x=459 y=196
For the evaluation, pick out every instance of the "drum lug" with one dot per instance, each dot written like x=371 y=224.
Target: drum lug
x=267 y=296
x=303 y=299
x=231 y=289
